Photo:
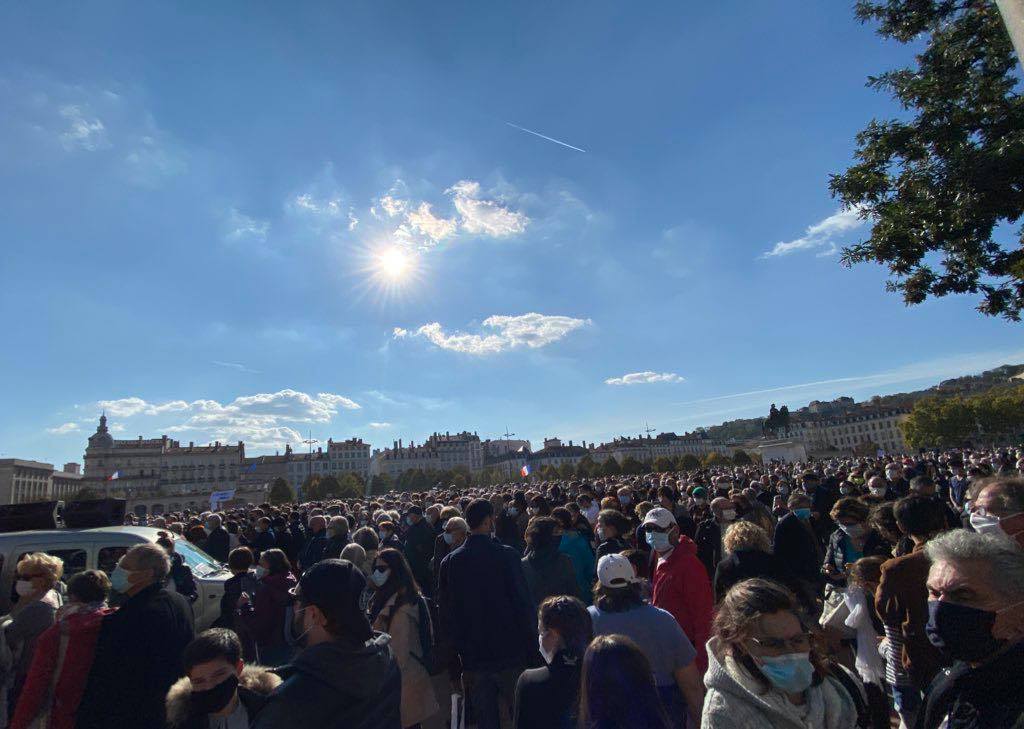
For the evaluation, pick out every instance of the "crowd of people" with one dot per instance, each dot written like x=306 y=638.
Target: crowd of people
x=852 y=592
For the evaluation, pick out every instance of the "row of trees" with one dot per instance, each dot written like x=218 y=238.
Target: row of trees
x=992 y=418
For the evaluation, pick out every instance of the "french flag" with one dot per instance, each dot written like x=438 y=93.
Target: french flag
x=114 y=476
x=525 y=470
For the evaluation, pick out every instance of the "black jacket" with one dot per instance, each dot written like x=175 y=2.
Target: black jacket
x=546 y=697
x=334 y=547
x=254 y=686
x=709 y=545
x=985 y=697
x=336 y=685
x=796 y=548
x=615 y=545
x=314 y=550
x=419 y=548
x=485 y=606
x=874 y=546
x=742 y=565
x=138 y=657
x=218 y=544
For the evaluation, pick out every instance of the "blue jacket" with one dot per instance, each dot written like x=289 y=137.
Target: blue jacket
x=484 y=605
x=584 y=563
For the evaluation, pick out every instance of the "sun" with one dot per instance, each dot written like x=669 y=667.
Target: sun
x=393 y=264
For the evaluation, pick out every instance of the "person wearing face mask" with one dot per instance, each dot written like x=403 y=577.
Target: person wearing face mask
x=852 y=540
x=547 y=570
x=797 y=549
x=680 y=583
x=398 y=609
x=217 y=539
x=976 y=619
x=667 y=500
x=709 y=533
x=315 y=544
x=912 y=661
x=611 y=528
x=764 y=671
x=589 y=508
x=337 y=537
x=997 y=507
x=419 y=547
x=346 y=674
x=485 y=609
x=263 y=536
x=138 y=653
x=63 y=656
x=546 y=697
x=263 y=613
x=218 y=691
x=388 y=538
x=37 y=574
x=451 y=538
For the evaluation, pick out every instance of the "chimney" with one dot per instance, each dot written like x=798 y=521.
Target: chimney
x=191 y=444
x=217 y=444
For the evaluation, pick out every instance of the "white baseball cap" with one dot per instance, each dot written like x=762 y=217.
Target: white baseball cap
x=660 y=517
x=614 y=570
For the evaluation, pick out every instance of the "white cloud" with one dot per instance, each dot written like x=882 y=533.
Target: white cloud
x=82 y=132
x=393 y=206
x=353 y=221
x=484 y=217
x=823 y=234
x=324 y=207
x=509 y=332
x=64 y=429
x=424 y=221
x=644 y=378
x=380 y=426
x=261 y=420
x=241 y=228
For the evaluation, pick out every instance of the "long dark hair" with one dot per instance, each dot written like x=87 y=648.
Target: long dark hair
x=617 y=687
x=400 y=582
x=617 y=599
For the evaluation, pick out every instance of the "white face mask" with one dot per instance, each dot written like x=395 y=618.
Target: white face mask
x=600 y=534
x=261 y=572
x=728 y=514
x=880 y=491
x=379 y=578
x=24 y=587
x=985 y=524
x=448 y=538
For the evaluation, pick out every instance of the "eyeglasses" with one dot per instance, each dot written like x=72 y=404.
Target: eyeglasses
x=796 y=644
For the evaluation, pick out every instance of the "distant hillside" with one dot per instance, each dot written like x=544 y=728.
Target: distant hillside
x=748 y=428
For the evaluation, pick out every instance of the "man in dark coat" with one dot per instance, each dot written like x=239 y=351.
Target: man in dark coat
x=797 y=549
x=139 y=649
x=218 y=542
x=419 y=547
x=346 y=676
x=316 y=545
x=485 y=608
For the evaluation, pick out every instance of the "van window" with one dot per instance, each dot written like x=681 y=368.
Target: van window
x=74 y=561
x=107 y=558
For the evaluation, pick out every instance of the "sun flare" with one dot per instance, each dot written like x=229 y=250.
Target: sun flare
x=394 y=264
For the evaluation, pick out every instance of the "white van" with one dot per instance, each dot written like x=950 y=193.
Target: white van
x=101 y=548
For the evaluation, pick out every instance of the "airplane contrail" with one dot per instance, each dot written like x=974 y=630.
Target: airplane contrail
x=544 y=136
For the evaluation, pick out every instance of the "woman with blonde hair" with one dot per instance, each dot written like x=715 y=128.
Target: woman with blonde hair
x=747 y=554
x=36 y=610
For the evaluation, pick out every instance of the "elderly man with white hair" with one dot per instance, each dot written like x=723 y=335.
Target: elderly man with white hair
x=139 y=651
x=976 y=618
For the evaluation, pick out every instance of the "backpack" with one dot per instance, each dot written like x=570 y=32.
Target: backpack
x=428 y=655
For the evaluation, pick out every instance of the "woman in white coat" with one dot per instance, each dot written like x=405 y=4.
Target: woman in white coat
x=763 y=670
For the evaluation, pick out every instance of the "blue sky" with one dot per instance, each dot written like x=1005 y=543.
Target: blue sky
x=271 y=218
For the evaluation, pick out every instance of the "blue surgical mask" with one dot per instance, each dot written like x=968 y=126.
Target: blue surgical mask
x=658 y=541
x=792 y=673
x=448 y=538
x=119 y=579
x=803 y=513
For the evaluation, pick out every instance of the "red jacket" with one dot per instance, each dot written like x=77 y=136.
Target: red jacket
x=82 y=629
x=681 y=586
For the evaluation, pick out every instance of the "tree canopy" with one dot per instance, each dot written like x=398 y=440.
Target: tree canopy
x=280 y=492
x=943 y=183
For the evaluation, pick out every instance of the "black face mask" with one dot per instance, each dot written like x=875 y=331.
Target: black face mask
x=962 y=632
x=215 y=699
